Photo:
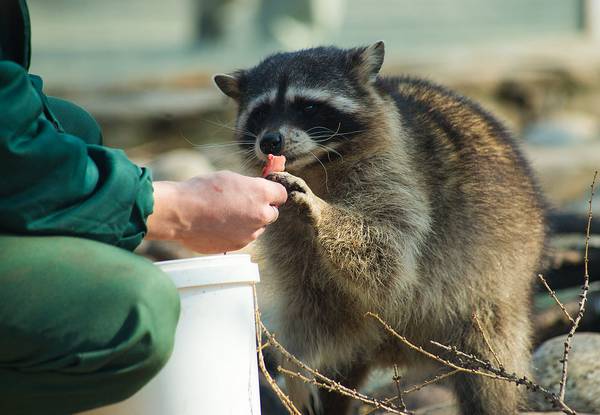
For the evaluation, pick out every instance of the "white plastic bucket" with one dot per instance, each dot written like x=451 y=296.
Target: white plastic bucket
x=213 y=369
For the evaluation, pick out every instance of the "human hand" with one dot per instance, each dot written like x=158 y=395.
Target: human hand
x=215 y=213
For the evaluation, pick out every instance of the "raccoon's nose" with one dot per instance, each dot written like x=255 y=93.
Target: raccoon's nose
x=271 y=143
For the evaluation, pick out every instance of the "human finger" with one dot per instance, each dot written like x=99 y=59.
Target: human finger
x=270 y=214
x=275 y=192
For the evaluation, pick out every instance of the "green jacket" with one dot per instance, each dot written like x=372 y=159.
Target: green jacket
x=56 y=178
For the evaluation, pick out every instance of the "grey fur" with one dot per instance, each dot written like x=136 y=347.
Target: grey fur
x=426 y=216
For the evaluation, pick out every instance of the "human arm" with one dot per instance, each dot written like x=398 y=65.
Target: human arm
x=54 y=183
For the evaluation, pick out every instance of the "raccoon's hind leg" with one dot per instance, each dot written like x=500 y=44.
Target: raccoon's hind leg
x=304 y=396
x=478 y=395
x=352 y=377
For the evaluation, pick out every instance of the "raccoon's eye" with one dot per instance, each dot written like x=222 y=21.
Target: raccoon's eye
x=310 y=109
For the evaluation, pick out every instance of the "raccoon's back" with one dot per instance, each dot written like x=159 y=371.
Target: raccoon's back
x=480 y=185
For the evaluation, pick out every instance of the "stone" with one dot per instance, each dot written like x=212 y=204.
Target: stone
x=583 y=382
x=565 y=172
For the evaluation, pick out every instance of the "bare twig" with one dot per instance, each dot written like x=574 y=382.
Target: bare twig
x=486 y=339
x=431 y=381
x=396 y=380
x=552 y=294
x=321 y=379
x=501 y=373
x=415 y=388
x=333 y=388
x=582 y=301
x=285 y=400
x=476 y=366
x=426 y=353
x=304 y=378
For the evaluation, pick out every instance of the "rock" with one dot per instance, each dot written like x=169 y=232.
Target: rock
x=549 y=320
x=565 y=172
x=180 y=164
x=583 y=382
x=563 y=129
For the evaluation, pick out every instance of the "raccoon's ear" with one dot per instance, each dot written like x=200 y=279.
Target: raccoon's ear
x=368 y=61
x=228 y=84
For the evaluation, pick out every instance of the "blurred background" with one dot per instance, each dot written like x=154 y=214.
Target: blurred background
x=143 y=68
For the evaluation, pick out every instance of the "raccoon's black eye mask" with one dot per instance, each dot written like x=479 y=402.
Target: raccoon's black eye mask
x=307 y=107
x=319 y=119
x=310 y=109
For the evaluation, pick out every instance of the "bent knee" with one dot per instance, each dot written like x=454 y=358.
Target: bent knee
x=154 y=307
x=146 y=338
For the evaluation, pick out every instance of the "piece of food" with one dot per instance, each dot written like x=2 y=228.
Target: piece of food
x=274 y=164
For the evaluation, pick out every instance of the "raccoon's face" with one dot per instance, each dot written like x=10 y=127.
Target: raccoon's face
x=304 y=104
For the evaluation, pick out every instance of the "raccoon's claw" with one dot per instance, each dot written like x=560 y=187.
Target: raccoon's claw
x=290 y=182
x=300 y=196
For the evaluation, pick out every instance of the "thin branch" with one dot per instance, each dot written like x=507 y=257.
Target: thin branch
x=285 y=400
x=415 y=388
x=332 y=388
x=582 y=301
x=332 y=384
x=486 y=339
x=501 y=373
x=396 y=380
x=428 y=354
x=430 y=381
x=477 y=366
x=552 y=294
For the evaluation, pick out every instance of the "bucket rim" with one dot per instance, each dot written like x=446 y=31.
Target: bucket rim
x=210 y=270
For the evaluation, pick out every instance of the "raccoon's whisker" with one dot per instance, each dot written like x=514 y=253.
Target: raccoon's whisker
x=321 y=127
x=346 y=133
x=240 y=152
x=329 y=149
x=324 y=169
x=332 y=135
x=233 y=149
x=318 y=137
x=324 y=137
x=234 y=129
x=186 y=139
x=210 y=145
x=220 y=145
x=318 y=128
x=229 y=156
x=326 y=151
x=327 y=138
x=247 y=158
x=337 y=130
x=354 y=132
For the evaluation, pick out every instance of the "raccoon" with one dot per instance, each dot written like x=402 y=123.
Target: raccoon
x=405 y=199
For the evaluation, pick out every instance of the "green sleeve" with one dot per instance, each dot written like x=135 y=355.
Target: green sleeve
x=54 y=183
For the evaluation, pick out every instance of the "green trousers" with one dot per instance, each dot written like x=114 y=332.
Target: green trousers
x=82 y=324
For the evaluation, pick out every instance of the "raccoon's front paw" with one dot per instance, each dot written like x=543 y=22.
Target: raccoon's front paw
x=300 y=197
